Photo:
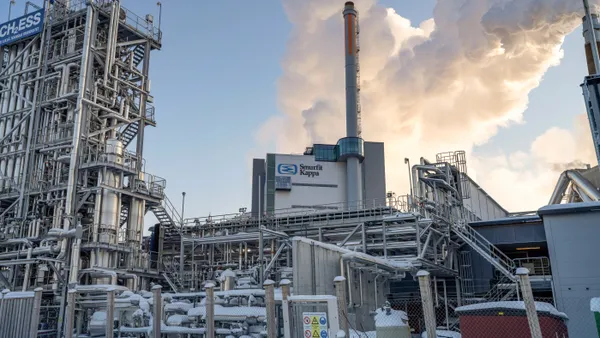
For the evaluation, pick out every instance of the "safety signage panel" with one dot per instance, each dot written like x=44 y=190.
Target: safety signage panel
x=315 y=324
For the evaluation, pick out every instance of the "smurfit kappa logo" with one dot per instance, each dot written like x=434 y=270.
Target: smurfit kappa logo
x=287 y=169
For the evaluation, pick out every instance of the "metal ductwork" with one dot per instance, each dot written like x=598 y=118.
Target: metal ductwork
x=582 y=186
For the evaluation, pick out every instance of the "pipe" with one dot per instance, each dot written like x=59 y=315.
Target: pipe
x=35 y=252
x=376 y=293
x=14 y=241
x=583 y=184
x=559 y=189
x=360 y=285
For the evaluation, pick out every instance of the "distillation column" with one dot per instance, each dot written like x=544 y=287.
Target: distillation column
x=591 y=84
x=353 y=166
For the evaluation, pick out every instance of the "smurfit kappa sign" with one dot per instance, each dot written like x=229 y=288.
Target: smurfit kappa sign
x=22 y=27
x=302 y=169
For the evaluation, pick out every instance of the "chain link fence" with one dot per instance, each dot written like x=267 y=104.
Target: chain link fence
x=521 y=316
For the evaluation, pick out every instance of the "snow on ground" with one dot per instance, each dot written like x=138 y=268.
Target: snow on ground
x=443 y=334
x=358 y=334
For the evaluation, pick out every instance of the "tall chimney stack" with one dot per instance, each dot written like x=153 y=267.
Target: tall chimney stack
x=352 y=144
x=591 y=32
x=591 y=84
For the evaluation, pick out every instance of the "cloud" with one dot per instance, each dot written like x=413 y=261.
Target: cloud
x=447 y=83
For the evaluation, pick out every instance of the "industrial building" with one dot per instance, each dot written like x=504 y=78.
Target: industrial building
x=75 y=101
x=317 y=179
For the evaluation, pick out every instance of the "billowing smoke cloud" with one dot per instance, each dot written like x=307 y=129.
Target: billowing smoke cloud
x=448 y=83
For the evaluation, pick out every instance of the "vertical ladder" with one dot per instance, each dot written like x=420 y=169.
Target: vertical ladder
x=467 y=284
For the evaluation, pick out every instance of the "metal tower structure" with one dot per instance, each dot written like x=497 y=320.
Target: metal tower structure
x=75 y=101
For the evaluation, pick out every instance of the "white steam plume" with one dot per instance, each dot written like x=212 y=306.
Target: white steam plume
x=446 y=84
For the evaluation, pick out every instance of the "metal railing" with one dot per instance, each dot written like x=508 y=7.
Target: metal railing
x=321 y=212
x=99 y=155
x=479 y=243
x=537 y=266
x=131 y=19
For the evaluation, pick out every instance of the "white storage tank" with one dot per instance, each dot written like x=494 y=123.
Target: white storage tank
x=390 y=323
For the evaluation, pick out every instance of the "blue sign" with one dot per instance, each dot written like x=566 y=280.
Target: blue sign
x=22 y=27
x=323 y=333
x=323 y=320
x=287 y=169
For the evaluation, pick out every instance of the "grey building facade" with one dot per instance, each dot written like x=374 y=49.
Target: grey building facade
x=264 y=174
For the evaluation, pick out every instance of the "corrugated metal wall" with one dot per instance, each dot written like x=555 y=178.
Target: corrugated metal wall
x=315 y=268
x=16 y=312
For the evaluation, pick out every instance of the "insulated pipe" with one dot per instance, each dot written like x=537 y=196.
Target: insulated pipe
x=415 y=176
x=583 y=184
x=35 y=252
x=559 y=189
x=74 y=160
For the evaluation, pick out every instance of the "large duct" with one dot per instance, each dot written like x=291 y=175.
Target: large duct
x=353 y=168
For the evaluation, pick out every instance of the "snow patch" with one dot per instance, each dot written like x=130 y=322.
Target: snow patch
x=386 y=317
x=595 y=304
x=513 y=305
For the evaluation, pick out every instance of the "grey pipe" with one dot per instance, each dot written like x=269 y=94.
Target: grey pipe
x=583 y=184
x=14 y=241
x=35 y=252
x=559 y=189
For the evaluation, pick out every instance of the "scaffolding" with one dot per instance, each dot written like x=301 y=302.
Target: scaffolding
x=75 y=101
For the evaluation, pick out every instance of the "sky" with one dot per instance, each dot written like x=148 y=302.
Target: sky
x=221 y=86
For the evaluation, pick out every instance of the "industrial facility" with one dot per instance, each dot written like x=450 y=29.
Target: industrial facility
x=75 y=101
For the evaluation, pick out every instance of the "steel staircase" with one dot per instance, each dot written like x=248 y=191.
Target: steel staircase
x=486 y=249
x=505 y=289
x=166 y=214
x=138 y=55
x=124 y=215
x=129 y=133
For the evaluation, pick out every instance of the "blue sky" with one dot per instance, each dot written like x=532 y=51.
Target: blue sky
x=214 y=84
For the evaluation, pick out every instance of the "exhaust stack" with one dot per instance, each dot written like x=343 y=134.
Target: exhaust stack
x=351 y=147
x=591 y=32
x=591 y=84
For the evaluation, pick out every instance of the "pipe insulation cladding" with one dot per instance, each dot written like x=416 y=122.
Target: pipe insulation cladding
x=353 y=166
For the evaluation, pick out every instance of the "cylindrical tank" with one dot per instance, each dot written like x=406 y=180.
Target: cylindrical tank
x=114 y=150
x=391 y=323
x=588 y=41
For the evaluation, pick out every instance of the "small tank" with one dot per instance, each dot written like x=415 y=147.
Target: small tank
x=390 y=323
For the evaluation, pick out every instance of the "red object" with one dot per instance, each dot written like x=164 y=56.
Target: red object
x=508 y=323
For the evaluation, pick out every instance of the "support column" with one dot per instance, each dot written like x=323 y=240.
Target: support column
x=285 y=294
x=210 y=310
x=340 y=293
x=157 y=307
x=269 y=286
x=427 y=301
x=532 y=316
x=35 y=315
x=110 y=313
x=70 y=313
